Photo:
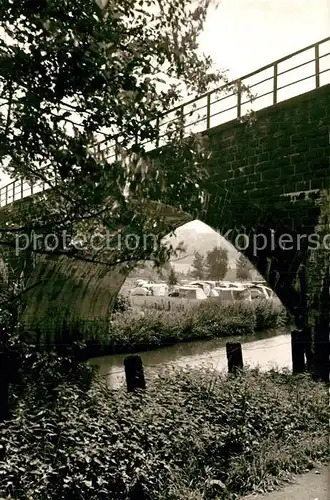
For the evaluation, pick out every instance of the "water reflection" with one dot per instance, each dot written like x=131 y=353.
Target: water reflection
x=265 y=349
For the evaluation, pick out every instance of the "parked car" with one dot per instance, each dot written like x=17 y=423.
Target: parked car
x=158 y=289
x=140 y=290
x=203 y=285
x=189 y=292
x=227 y=294
x=211 y=283
x=142 y=282
x=262 y=292
x=229 y=284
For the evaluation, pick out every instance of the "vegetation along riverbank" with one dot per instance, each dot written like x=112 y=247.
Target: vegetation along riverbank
x=192 y=435
x=129 y=331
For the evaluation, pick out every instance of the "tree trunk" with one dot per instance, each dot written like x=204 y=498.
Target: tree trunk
x=322 y=333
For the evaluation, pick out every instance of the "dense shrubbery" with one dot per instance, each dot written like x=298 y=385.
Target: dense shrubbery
x=192 y=435
x=269 y=315
x=129 y=331
x=122 y=304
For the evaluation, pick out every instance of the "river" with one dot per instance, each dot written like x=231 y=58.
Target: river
x=264 y=349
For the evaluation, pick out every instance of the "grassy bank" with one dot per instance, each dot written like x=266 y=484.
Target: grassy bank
x=129 y=332
x=193 y=435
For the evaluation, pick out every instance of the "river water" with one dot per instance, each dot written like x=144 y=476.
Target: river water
x=264 y=349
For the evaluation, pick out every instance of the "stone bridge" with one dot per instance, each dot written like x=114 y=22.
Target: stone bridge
x=266 y=178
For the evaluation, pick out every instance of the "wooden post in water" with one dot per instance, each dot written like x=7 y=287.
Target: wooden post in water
x=234 y=356
x=298 y=351
x=307 y=340
x=134 y=373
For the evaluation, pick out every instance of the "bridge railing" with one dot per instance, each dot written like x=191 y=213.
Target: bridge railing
x=18 y=189
x=290 y=76
x=304 y=70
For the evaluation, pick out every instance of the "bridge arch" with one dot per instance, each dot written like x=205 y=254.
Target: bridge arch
x=61 y=288
x=265 y=177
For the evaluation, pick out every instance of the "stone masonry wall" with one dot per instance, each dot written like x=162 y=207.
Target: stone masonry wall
x=286 y=150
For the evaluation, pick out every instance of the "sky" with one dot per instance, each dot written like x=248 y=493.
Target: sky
x=243 y=35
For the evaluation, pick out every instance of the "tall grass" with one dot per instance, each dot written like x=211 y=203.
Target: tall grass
x=163 y=303
x=134 y=330
x=131 y=332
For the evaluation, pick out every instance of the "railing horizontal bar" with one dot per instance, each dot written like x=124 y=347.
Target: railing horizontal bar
x=258 y=97
x=261 y=81
x=293 y=54
x=224 y=111
x=161 y=136
x=194 y=110
x=169 y=121
x=222 y=99
x=324 y=55
x=298 y=81
x=296 y=67
x=185 y=126
x=215 y=91
x=324 y=71
x=190 y=113
x=195 y=123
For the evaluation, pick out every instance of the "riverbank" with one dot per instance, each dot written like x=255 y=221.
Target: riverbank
x=130 y=332
x=192 y=435
x=264 y=350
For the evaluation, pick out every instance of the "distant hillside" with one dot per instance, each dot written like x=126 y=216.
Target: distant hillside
x=197 y=236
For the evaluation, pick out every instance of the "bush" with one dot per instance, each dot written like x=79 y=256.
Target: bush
x=122 y=304
x=189 y=429
x=209 y=319
x=270 y=315
x=134 y=329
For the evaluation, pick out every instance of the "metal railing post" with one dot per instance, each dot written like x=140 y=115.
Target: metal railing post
x=317 y=65
x=208 y=111
x=181 y=121
x=239 y=99
x=14 y=190
x=158 y=132
x=275 y=83
x=116 y=150
x=22 y=194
